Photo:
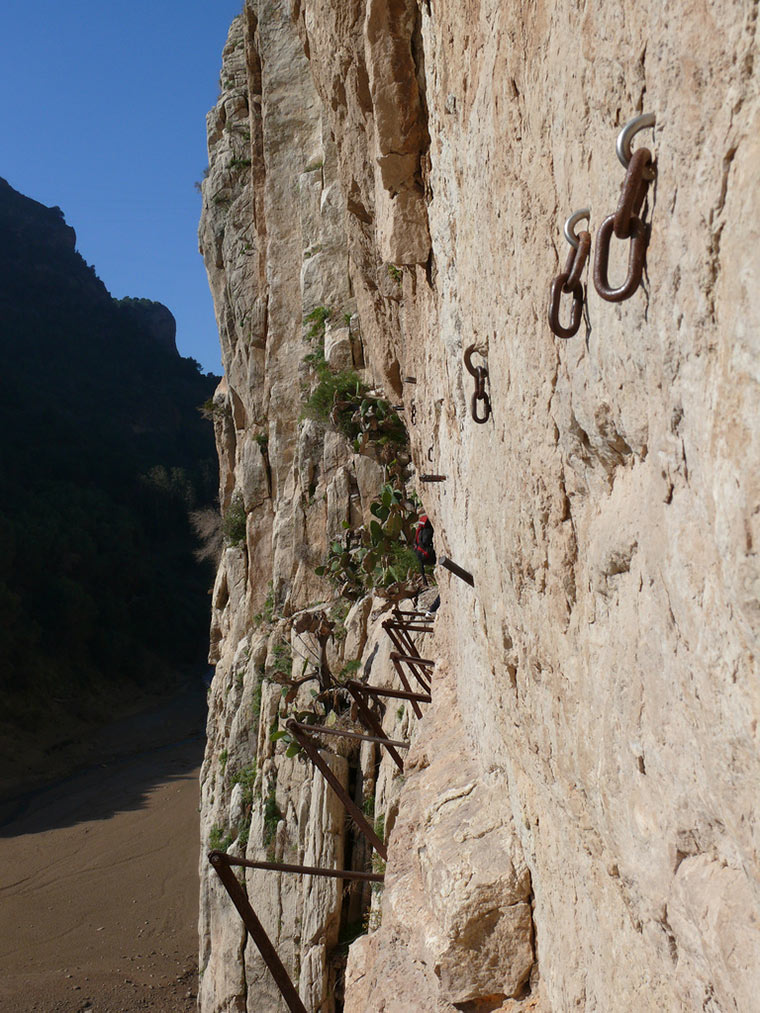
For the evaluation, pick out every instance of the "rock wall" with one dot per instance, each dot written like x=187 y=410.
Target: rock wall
x=576 y=826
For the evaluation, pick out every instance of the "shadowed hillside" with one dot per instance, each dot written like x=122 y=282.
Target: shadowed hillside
x=103 y=453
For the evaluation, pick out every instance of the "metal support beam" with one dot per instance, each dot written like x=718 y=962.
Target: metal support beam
x=409 y=627
x=457 y=570
x=396 y=694
x=401 y=638
x=302 y=870
x=312 y=751
x=222 y=866
x=413 y=659
x=417 y=675
x=370 y=721
x=407 y=686
x=414 y=616
x=327 y=730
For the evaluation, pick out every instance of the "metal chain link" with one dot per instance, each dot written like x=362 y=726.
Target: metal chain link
x=569 y=280
x=480 y=373
x=626 y=222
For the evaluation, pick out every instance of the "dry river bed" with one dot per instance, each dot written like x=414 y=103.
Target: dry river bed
x=99 y=875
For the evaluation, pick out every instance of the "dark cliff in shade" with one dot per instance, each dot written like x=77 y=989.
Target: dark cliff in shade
x=103 y=452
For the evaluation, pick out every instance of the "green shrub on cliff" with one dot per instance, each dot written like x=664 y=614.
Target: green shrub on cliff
x=233 y=522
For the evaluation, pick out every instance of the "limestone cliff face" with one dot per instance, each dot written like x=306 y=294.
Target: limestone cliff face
x=577 y=824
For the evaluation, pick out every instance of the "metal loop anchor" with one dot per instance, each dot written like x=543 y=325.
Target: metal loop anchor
x=569 y=281
x=480 y=373
x=626 y=135
x=572 y=221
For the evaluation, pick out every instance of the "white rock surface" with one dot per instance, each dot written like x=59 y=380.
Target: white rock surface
x=591 y=754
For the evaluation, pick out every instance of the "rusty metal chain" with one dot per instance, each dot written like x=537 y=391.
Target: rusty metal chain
x=481 y=374
x=626 y=222
x=569 y=280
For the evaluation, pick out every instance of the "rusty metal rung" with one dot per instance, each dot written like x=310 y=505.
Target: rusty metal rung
x=302 y=870
x=412 y=659
x=311 y=748
x=371 y=722
x=459 y=571
x=396 y=694
x=326 y=730
x=409 y=627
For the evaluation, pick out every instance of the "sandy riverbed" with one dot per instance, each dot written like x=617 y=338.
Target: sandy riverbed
x=99 y=878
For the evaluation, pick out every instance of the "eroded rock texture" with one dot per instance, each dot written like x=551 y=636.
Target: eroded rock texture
x=577 y=826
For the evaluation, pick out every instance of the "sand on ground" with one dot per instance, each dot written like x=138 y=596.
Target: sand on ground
x=99 y=878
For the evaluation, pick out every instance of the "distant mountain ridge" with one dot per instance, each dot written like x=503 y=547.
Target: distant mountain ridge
x=102 y=454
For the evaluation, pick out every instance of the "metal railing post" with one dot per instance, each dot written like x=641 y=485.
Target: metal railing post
x=223 y=869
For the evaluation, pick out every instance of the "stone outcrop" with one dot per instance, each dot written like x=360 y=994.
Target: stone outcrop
x=155 y=319
x=576 y=826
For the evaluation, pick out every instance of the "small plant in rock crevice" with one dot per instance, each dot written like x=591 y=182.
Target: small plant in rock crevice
x=380 y=830
x=378 y=556
x=211 y=409
x=267 y=614
x=218 y=840
x=341 y=399
x=317 y=321
x=234 y=522
x=349 y=669
x=246 y=777
x=283 y=660
x=256 y=697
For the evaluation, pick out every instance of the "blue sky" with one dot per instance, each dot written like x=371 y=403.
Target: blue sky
x=103 y=113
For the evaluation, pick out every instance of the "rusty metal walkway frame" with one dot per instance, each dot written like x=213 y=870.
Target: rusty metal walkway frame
x=398 y=629
x=301 y=734
x=222 y=864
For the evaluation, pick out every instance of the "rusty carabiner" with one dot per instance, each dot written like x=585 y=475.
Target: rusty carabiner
x=569 y=281
x=480 y=373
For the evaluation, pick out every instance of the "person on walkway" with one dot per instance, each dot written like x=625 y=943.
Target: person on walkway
x=423 y=544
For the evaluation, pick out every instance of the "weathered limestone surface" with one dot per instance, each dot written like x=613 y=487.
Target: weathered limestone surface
x=588 y=770
x=268 y=202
